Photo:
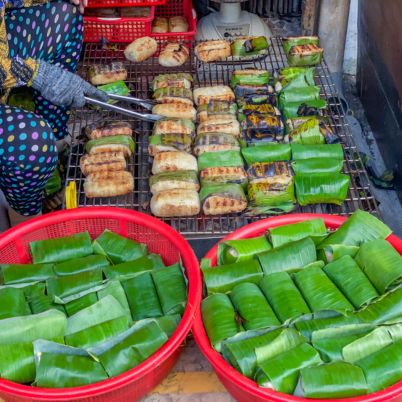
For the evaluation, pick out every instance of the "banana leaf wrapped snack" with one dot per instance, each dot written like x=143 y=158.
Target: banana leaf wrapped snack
x=177 y=126
x=169 y=142
x=103 y=162
x=107 y=129
x=313 y=107
x=303 y=50
x=244 y=91
x=316 y=188
x=116 y=143
x=108 y=184
x=174 y=80
x=175 y=202
x=203 y=95
x=262 y=127
x=249 y=46
x=216 y=110
x=108 y=73
x=276 y=173
x=219 y=199
x=172 y=161
x=311 y=131
x=266 y=152
x=294 y=77
x=183 y=179
x=231 y=251
x=215 y=142
x=264 y=109
x=173 y=94
x=228 y=126
x=257 y=99
x=249 y=77
x=329 y=151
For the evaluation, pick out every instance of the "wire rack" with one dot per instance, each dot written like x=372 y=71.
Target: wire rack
x=139 y=79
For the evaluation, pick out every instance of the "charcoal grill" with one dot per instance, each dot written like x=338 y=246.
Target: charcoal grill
x=139 y=79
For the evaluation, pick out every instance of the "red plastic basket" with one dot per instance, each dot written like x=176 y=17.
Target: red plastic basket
x=171 y=9
x=117 y=29
x=244 y=389
x=124 y=3
x=160 y=238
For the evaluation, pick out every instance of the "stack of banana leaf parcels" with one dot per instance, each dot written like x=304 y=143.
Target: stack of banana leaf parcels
x=307 y=312
x=262 y=144
x=85 y=310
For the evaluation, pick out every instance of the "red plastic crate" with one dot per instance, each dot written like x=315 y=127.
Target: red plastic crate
x=171 y=9
x=124 y=3
x=117 y=29
x=160 y=238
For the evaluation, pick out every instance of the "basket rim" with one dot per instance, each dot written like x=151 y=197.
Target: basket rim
x=225 y=370
x=190 y=263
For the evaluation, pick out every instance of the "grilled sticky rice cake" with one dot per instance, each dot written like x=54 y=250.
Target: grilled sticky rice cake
x=108 y=129
x=204 y=95
x=108 y=184
x=102 y=162
x=224 y=174
x=176 y=202
x=227 y=127
x=171 y=161
x=276 y=173
x=220 y=204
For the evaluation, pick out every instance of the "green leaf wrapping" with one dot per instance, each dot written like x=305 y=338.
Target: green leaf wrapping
x=313 y=228
x=300 y=94
x=331 y=341
x=106 y=309
x=81 y=265
x=319 y=291
x=383 y=368
x=231 y=251
x=239 y=351
x=283 y=296
x=38 y=300
x=387 y=308
x=63 y=286
x=296 y=77
x=305 y=60
x=171 y=288
x=129 y=269
x=142 y=297
x=220 y=158
x=332 y=380
x=359 y=228
x=130 y=348
x=168 y=323
x=224 y=278
x=48 y=325
x=253 y=308
x=218 y=316
x=114 y=288
x=307 y=327
x=366 y=345
x=242 y=77
x=381 y=263
x=288 y=43
x=169 y=142
x=307 y=133
x=117 y=248
x=286 y=340
x=98 y=333
x=61 y=248
x=115 y=139
x=288 y=257
x=76 y=305
x=19 y=273
x=266 y=198
x=327 y=151
x=13 y=303
x=229 y=190
x=116 y=88
x=351 y=281
x=334 y=252
x=296 y=109
x=60 y=366
x=17 y=362
x=270 y=152
x=317 y=165
x=281 y=372
x=316 y=188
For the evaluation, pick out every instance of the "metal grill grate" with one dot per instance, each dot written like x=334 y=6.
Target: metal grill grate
x=139 y=79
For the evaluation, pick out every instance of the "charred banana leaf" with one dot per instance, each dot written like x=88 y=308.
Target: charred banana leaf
x=305 y=55
x=277 y=174
x=172 y=92
x=215 y=142
x=184 y=179
x=291 y=41
x=249 y=46
x=243 y=91
x=178 y=126
x=169 y=142
x=222 y=174
x=312 y=107
x=176 y=80
x=257 y=99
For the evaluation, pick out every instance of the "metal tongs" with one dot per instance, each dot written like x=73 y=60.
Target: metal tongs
x=145 y=103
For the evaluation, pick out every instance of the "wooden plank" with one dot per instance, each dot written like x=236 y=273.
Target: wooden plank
x=310 y=17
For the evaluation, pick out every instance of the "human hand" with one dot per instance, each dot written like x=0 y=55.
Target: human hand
x=63 y=88
x=81 y=4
